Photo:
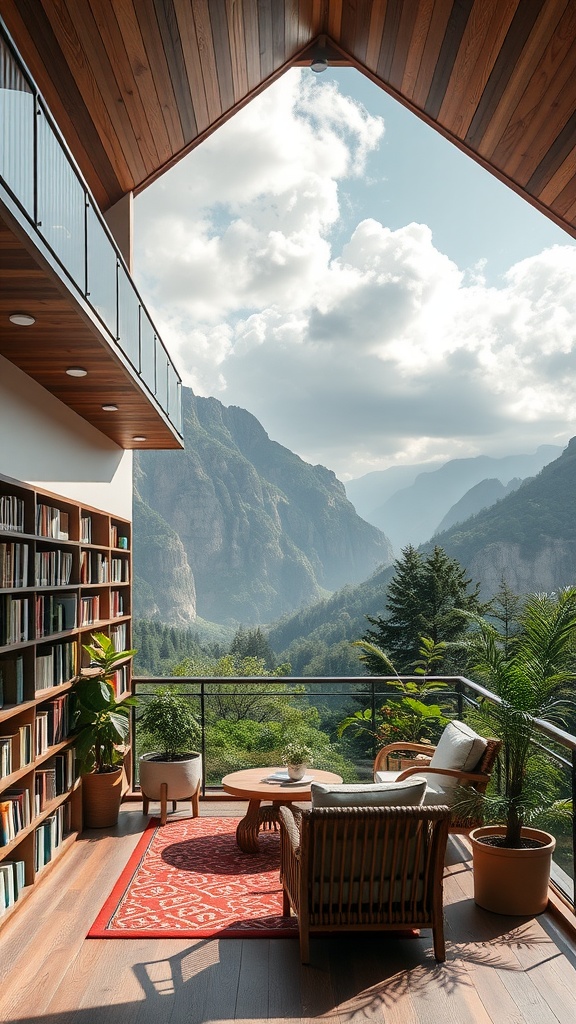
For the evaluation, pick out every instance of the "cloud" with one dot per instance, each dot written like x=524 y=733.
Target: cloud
x=380 y=351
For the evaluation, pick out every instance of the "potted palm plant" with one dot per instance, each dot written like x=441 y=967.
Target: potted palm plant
x=529 y=672
x=101 y=726
x=169 y=723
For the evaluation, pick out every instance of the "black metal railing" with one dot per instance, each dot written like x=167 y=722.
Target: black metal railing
x=331 y=700
x=39 y=174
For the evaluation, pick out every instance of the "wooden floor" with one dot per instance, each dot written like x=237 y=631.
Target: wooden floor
x=498 y=969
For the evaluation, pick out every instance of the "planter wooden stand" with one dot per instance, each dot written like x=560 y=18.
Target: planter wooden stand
x=510 y=881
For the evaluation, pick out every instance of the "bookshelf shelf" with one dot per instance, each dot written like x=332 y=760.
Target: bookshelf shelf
x=51 y=582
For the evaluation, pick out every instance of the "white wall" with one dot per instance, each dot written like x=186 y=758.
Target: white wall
x=46 y=444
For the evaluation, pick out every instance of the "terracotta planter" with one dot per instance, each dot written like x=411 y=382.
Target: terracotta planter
x=182 y=778
x=511 y=881
x=101 y=797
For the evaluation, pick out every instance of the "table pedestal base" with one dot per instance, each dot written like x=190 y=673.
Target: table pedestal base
x=257 y=818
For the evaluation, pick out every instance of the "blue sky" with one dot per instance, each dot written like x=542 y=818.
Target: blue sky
x=375 y=298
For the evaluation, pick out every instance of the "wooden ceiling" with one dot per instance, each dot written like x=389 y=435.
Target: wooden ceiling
x=135 y=84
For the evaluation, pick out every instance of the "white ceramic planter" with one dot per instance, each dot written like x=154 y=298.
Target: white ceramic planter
x=296 y=771
x=170 y=781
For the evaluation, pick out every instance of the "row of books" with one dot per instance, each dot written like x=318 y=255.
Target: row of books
x=14 y=625
x=119 y=570
x=56 y=665
x=49 y=835
x=118 y=636
x=53 y=568
x=13 y=564
x=117 y=539
x=15 y=813
x=55 y=613
x=54 y=779
x=16 y=750
x=86 y=528
x=12 y=882
x=89 y=610
x=116 y=603
x=93 y=567
x=11 y=513
x=11 y=680
x=119 y=680
x=51 y=522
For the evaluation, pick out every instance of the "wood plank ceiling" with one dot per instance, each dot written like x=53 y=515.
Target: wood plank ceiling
x=135 y=84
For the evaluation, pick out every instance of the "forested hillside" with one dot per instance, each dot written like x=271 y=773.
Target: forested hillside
x=528 y=538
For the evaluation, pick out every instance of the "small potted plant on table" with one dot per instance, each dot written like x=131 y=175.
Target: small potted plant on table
x=298 y=757
x=173 y=771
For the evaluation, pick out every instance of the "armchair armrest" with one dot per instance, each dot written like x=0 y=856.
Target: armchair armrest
x=292 y=830
x=417 y=748
x=454 y=773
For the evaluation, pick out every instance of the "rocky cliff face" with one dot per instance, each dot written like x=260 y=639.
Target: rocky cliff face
x=263 y=532
x=529 y=537
x=163 y=581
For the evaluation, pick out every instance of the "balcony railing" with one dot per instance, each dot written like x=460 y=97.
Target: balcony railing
x=41 y=177
x=249 y=701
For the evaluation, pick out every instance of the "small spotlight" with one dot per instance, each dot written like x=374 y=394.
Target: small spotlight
x=319 y=64
x=110 y=408
x=139 y=437
x=22 y=319
x=76 y=371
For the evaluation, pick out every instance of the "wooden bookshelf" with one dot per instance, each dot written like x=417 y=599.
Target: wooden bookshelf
x=65 y=572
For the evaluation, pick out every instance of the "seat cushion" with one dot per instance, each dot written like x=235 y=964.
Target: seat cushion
x=408 y=793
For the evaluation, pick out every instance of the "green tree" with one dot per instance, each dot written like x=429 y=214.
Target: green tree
x=252 y=643
x=429 y=595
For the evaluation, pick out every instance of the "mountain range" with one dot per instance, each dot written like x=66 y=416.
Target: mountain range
x=410 y=503
x=238 y=529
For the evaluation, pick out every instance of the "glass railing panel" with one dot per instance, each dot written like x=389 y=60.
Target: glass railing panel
x=174 y=397
x=17 y=115
x=61 y=204
x=102 y=283
x=148 y=342
x=128 y=318
x=162 y=365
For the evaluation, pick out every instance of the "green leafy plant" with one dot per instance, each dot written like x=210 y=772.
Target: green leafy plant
x=297 y=752
x=100 y=723
x=170 y=723
x=409 y=717
x=530 y=673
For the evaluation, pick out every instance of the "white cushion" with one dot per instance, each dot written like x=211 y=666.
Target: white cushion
x=408 y=793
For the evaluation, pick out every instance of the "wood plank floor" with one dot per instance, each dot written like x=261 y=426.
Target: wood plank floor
x=498 y=969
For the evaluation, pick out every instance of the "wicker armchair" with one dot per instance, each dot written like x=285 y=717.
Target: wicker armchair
x=464 y=814
x=364 y=869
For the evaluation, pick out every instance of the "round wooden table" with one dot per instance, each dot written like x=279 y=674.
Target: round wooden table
x=250 y=784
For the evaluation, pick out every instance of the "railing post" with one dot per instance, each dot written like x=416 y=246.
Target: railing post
x=574 y=825
x=373 y=704
x=203 y=734
x=460 y=699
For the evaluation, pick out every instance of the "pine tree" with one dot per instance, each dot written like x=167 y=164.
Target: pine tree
x=428 y=596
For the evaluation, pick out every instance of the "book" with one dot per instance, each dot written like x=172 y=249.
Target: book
x=7 y=875
x=282 y=778
x=12 y=670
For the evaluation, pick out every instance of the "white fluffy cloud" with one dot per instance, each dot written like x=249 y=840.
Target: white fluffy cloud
x=382 y=351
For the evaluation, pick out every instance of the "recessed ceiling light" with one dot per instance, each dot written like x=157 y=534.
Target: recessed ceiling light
x=76 y=371
x=110 y=408
x=22 y=319
x=139 y=437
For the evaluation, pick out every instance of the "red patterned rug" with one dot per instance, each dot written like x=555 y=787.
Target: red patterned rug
x=190 y=880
